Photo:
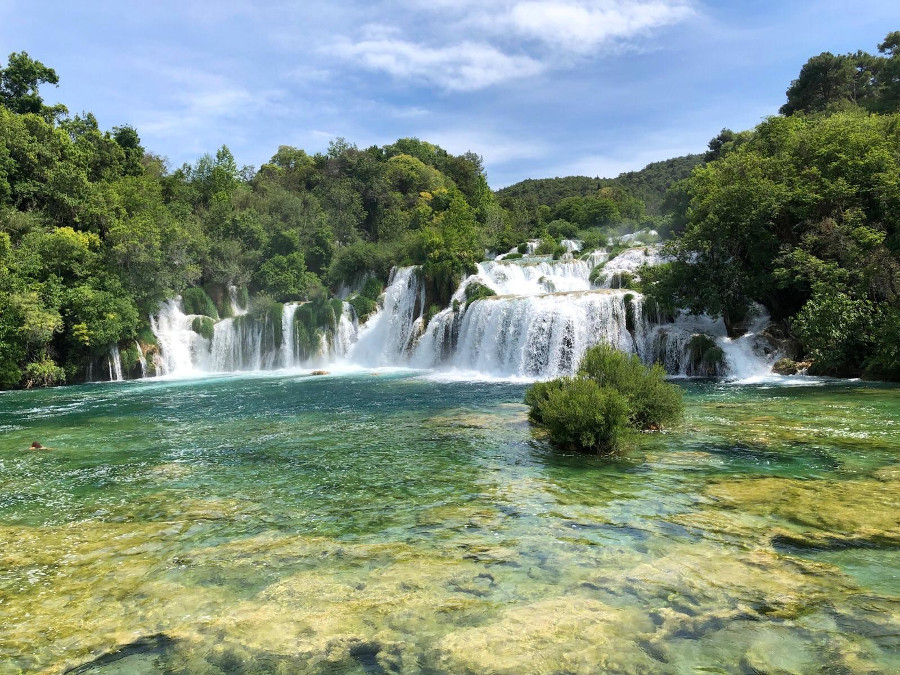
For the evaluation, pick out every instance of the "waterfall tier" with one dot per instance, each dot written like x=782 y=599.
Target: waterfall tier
x=544 y=315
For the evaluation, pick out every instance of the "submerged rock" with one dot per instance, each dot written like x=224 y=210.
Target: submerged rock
x=789 y=367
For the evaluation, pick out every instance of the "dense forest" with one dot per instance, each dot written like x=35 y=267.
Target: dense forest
x=649 y=185
x=799 y=215
x=802 y=215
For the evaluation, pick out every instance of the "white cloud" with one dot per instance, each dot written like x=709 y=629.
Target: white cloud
x=581 y=27
x=463 y=45
x=466 y=66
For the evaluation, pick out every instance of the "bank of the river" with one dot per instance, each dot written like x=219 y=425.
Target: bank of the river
x=399 y=524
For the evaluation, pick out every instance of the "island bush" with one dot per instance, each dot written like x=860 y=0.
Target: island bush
x=612 y=396
x=197 y=301
x=477 y=291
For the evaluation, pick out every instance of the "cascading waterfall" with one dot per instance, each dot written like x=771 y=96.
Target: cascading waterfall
x=182 y=351
x=533 y=278
x=528 y=335
x=391 y=333
x=243 y=343
x=115 y=364
x=628 y=263
x=141 y=358
x=346 y=333
x=545 y=314
x=236 y=308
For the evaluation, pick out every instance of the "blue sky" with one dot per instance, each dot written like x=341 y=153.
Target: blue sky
x=537 y=87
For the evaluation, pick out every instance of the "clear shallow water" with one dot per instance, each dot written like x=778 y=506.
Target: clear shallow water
x=400 y=524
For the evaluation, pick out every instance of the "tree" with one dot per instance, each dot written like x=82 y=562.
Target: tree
x=19 y=86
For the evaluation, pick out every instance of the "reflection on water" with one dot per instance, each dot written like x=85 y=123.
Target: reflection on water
x=367 y=524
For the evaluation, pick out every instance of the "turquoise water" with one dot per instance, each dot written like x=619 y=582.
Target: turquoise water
x=395 y=523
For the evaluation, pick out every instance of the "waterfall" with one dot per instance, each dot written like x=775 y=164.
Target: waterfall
x=572 y=246
x=236 y=309
x=628 y=263
x=288 y=357
x=243 y=343
x=346 y=333
x=532 y=330
x=530 y=335
x=115 y=364
x=532 y=278
x=391 y=332
x=141 y=359
x=182 y=351
x=544 y=316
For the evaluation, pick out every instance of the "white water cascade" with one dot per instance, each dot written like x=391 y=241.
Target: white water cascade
x=141 y=358
x=543 y=318
x=115 y=364
x=544 y=315
x=244 y=343
x=389 y=336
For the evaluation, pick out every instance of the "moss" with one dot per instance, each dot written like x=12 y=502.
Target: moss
x=433 y=311
x=705 y=358
x=196 y=301
x=545 y=247
x=512 y=256
x=477 y=291
x=622 y=280
x=596 y=274
x=146 y=337
x=266 y=311
x=203 y=325
x=364 y=307
x=372 y=289
x=243 y=297
x=320 y=314
x=129 y=356
x=218 y=293
x=313 y=320
x=456 y=305
x=629 y=312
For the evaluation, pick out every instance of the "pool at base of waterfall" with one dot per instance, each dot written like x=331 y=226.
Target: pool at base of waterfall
x=391 y=521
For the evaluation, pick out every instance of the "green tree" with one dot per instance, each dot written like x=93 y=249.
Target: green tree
x=20 y=82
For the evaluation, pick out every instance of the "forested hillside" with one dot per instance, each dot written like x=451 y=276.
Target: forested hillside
x=800 y=215
x=95 y=230
x=649 y=185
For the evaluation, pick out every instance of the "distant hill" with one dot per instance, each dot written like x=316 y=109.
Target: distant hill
x=649 y=184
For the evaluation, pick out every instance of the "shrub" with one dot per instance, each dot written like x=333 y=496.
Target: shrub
x=477 y=291
x=372 y=288
x=522 y=248
x=363 y=306
x=197 y=301
x=44 y=373
x=706 y=359
x=203 y=325
x=562 y=229
x=545 y=247
x=512 y=256
x=559 y=251
x=582 y=415
x=612 y=394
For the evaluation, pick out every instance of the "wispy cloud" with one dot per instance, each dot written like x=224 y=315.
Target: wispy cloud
x=466 y=66
x=466 y=46
x=582 y=27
